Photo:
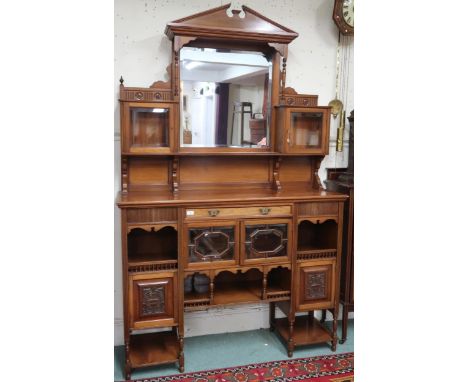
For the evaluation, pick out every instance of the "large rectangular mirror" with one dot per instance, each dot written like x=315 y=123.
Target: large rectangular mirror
x=225 y=98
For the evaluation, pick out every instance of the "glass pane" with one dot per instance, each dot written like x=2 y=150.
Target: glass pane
x=226 y=98
x=306 y=129
x=268 y=240
x=150 y=127
x=211 y=244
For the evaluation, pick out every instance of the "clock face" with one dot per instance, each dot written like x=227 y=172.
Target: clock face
x=348 y=12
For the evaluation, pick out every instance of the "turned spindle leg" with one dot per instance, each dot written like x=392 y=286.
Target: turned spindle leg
x=181 y=354
x=344 y=324
x=335 y=327
x=128 y=369
x=211 y=290
x=291 y=339
x=264 y=290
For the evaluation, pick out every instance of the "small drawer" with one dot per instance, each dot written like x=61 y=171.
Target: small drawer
x=318 y=209
x=151 y=215
x=230 y=212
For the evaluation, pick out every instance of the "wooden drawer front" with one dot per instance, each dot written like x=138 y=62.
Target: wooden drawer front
x=317 y=209
x=223 y=212
x=316 y=286
x=152 y=300
x=151 y=215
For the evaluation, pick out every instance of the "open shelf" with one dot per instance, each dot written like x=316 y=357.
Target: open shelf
x=226 y=294
x=153 y=349
x=317 y=237
x=306 y=331
x=279 y=283
x=234 y=288
x=196 y=291
x=152 y=247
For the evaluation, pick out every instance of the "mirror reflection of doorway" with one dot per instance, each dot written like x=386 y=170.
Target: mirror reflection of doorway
x=213 y=84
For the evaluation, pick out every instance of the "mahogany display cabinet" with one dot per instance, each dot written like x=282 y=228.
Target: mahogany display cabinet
x=215 y=213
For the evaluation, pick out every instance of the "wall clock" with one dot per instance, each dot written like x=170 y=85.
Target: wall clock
x=343 y=15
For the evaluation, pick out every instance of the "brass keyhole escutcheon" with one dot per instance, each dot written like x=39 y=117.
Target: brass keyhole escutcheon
x=213 y=213
x=265 y=210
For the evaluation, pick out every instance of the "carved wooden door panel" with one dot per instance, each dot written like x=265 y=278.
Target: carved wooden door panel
x=316 y=285
x=152 y=300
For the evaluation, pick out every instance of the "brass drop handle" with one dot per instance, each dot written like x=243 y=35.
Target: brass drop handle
x=265 y=210
x=213 y=213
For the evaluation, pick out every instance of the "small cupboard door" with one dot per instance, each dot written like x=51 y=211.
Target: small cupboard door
x=306 y=130
x=266 y=240
x=316 y=285
x=152 y=300
x=148 y=127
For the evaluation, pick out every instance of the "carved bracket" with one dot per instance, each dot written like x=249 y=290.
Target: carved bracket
x=280 y=48
x=180 y=41
x=276 y=170
x=316 y=182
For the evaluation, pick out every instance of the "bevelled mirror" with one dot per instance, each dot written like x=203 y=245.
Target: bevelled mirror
x=225 y=98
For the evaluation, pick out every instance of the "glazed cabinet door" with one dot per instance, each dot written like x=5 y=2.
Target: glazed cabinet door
x=147 y=127
x=307 y=130
x=316 y=285
x=211 y=244
x=266 y=240
x=152 y=300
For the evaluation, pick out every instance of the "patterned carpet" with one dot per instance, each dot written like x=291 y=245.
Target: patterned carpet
x=326 y=368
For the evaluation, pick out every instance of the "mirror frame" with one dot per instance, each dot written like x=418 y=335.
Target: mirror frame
x=215 y=29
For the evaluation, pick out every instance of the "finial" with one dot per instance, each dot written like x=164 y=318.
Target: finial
x=121 y=80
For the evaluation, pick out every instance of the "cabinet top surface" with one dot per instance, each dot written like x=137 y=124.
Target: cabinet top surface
x=190 y=197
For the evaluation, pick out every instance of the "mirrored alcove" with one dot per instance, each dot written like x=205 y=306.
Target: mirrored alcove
x=225 y=98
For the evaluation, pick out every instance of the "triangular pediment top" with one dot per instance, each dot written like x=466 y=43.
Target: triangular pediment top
x=215 y=23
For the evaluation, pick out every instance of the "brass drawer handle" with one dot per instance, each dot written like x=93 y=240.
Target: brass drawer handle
x=213 y=213
x=265 y=210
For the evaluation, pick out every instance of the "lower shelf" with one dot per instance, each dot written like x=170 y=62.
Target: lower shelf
x=153 y=349
x=306 y=331
x=237 y=293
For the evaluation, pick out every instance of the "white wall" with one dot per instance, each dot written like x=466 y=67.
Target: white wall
x=142 y=53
